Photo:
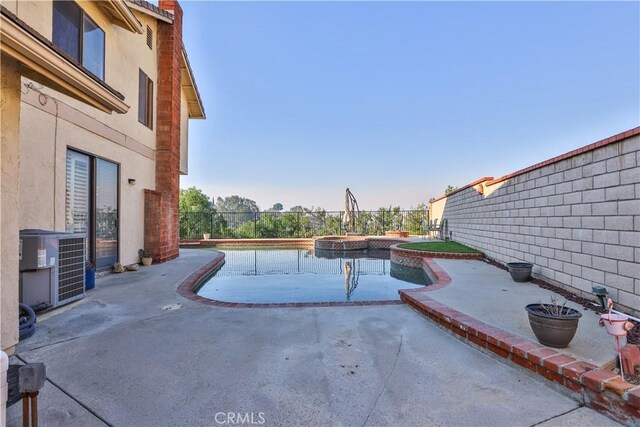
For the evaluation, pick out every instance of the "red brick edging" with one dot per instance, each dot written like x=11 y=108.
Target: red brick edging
x=185 y=289
x=341 y=243
x=414 y=259
x=373 y=242
x=599 y=388
x=288 y=242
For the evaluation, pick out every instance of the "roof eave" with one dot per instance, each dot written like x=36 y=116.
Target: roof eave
x=194 y=102
x=122 y=15
x=164 y=16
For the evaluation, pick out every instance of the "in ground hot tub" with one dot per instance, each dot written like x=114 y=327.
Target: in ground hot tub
x=341 y=243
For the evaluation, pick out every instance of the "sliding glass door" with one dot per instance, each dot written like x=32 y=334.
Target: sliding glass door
x=92 y=205
x=106 y=213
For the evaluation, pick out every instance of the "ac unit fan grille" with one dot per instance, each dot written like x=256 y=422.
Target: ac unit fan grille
x=70 y=268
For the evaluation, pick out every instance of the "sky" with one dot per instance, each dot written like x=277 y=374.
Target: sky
x=398 y=100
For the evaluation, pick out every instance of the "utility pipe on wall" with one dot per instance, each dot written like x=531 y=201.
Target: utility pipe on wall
x=4 y=387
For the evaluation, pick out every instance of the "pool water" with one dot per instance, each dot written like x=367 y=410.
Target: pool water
x=299 y=276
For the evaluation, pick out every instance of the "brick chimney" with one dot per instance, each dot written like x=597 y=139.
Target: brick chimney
x=161 y=229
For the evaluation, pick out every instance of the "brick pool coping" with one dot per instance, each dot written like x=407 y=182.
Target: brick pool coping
x=185 y=289
x=597 y=387
x=341 y=243
x=288 y=242
x=414 y=256
x=438 y=276
x=372 y=242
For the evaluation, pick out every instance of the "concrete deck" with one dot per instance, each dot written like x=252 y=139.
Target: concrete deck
x=117 y=357
x=488 y=294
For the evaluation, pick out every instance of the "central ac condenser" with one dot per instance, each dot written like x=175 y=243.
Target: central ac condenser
x=52 y=268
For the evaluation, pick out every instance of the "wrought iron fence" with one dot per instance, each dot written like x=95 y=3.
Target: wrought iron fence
x=251 y=225
x=263 y=262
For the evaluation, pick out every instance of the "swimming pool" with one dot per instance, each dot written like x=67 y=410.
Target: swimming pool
x=300 y=276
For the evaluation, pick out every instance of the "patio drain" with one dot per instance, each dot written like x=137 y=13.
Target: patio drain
x=172 y=307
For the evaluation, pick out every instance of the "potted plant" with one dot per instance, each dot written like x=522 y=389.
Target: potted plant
x=145 y=257
x=89 y=275
x=554 y=325
x=616 y=324
x=206 y=236
x=520 y=271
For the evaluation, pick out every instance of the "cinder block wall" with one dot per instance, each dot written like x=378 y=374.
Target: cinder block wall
x=576 y=217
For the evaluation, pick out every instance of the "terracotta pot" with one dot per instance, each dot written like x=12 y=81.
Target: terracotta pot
x=146 y=261
x=553 y=331
x=615 y=323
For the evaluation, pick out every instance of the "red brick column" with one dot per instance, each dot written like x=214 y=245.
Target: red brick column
x=152 y=222
x=163 y=236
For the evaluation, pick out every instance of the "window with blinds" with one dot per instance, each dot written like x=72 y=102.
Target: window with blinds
x=77 y=193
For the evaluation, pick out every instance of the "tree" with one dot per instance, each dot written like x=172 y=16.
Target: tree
x=277 y=207
x=322 y=223
x=198 y=215
x=194 y=200
x=240 y=209
x=236 y=204
x=450 y=189
x=417 y=219
x=382 y=220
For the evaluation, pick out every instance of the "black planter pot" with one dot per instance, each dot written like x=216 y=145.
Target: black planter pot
x=520 y=271
x=551 y=330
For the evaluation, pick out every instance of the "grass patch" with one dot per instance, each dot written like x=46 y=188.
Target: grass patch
x=450 y=247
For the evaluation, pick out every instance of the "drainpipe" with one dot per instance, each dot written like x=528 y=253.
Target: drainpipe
x=625 y=314
x=4 y=387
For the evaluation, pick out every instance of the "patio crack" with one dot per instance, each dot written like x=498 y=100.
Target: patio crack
x=557 y=416
x=70 y=396
x=386 y=381
x=96 y=332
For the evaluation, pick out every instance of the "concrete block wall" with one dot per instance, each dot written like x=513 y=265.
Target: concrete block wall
x=576 y=217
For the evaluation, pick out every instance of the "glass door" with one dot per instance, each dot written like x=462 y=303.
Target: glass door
x=92 y=195
x=78 y=195
x=106 y=202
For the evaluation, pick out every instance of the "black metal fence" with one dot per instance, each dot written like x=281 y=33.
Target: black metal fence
x=265 y=262
x=250 y=225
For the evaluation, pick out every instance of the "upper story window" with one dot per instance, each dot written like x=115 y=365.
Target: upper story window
x=79 y=36
x=145 y=100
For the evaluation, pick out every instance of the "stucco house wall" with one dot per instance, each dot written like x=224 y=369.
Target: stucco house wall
x=47 y=110
x=43 y=147
x=575 y=217
x=9 y=187
x=43 y=151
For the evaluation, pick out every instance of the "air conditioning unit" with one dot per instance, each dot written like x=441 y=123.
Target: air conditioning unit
x=51 y=268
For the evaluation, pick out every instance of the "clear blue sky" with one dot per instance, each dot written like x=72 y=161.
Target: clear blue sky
x=398 y=100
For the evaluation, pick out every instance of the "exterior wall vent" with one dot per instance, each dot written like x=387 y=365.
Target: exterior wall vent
x=149 y=37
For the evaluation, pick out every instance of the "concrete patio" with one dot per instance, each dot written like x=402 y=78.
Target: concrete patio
x=135 y=353
x=487 y=293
